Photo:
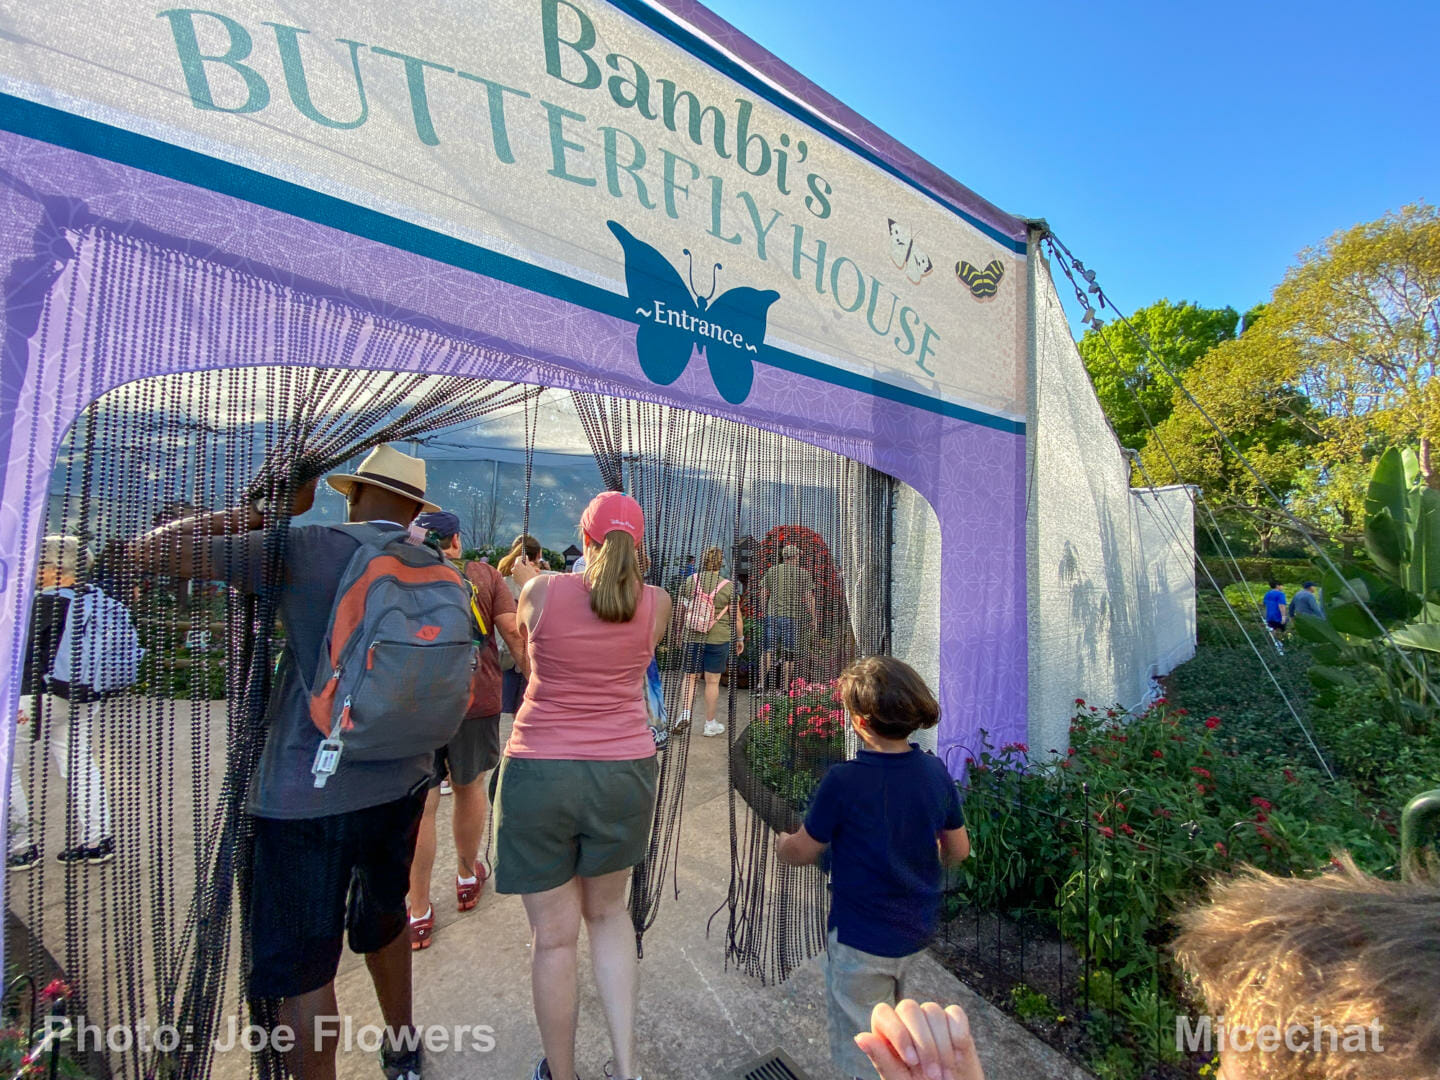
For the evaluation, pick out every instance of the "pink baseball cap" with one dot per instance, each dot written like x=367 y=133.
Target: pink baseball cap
x=610 y=511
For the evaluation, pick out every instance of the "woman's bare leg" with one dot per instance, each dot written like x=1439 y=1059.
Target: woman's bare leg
x=555 y=937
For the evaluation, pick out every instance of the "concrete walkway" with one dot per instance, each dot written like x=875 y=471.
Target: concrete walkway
x=696 y=1019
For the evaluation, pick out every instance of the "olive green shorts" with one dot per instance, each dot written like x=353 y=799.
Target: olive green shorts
x=555 y=820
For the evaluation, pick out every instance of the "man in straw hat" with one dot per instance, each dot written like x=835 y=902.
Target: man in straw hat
x=348 y=845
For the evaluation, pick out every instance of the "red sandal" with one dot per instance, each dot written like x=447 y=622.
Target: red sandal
x=467 y=896
x=422 y=929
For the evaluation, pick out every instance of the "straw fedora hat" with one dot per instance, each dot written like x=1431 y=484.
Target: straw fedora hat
x=386 y=468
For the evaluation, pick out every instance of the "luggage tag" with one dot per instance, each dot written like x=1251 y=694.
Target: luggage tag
x=327 y=760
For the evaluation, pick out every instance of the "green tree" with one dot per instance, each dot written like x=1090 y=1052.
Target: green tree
x=1129 y=381
x=1337 y=368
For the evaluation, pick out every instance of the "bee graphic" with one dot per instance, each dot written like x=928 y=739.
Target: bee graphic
x=983 y=284
x=905 y=255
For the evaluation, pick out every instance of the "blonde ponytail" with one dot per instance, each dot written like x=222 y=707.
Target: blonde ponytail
x=526 y=545
x=613 y=576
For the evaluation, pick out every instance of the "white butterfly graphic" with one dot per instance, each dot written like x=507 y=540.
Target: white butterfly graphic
x=905 y=255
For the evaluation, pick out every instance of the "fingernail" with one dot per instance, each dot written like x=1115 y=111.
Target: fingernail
x=933 y=1072
x=911 y=1057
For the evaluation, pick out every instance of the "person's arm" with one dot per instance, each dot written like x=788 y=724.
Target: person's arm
x=810 y=607
x=912 y=1041
x=798 y=848
x=508 y=626
x=954 y=846
x=529 y=607
x=182 y=548
x=664 y=610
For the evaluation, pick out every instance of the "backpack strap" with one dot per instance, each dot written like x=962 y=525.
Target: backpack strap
x=715 y=591
x=474 y=598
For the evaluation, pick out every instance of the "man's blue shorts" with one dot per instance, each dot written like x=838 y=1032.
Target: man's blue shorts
x=779 y=632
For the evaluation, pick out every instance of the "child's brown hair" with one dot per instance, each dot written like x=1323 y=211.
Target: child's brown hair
x=890 y=695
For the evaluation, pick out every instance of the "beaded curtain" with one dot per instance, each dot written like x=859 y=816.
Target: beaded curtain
x=153 y=937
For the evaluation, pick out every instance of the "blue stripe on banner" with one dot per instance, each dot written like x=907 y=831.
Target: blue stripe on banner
x=60 y=128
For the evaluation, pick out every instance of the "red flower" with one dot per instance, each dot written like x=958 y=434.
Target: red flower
x=1162 y=812
x=1110 y=713
x=1071 y=752
x=1221 y=848
x=1263 y=804
x=1200 y=789
x=1079 y=701
x=1156 y=754
x=1182 y=712
x=1159 y=701
x=1198 y=771
x=54 y=990
x=1105 y=830
x=1127 y=830
x=1212 y=722
x=1119 y=806
x=1289 y=776
x=1065 y=764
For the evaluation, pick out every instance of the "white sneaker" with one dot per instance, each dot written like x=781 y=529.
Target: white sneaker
x=684 y=719
x=714 y=727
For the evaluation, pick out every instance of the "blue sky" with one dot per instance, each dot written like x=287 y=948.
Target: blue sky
x=1185 y=150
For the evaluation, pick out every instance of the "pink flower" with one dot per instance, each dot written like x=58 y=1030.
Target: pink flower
x=764 y=710
x=54 y=990
x=1106 y=830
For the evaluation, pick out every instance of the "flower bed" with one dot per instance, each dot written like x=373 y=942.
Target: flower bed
x=781 y=756
x=1104 y=844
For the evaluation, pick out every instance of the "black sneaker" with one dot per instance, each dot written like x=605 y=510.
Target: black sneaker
x=400 y=1064
x=23 y=860
x=94 y=854
x=542 y=1071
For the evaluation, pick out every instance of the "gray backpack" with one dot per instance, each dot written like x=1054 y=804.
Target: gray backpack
x=393 y=679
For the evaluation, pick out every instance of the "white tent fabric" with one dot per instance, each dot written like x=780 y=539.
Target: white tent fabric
x=1111 y=570
x=915 y=574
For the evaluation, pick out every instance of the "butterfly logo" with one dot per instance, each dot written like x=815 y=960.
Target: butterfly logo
x=983 y=284
x=905 y=255
x=678 y=320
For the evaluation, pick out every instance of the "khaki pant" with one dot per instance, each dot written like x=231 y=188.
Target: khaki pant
x=855 y=982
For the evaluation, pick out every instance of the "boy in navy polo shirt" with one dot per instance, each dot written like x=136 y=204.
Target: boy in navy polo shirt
x=891 y=817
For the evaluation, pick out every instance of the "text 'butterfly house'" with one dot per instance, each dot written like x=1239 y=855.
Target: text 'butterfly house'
x=615 y=198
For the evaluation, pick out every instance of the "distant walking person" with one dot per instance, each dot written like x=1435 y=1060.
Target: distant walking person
x=1275 y=608
x=80 y=639
x=787 y=599
x=576 y=790
x=475 y=749
x=1305 y=602
x=711 y=621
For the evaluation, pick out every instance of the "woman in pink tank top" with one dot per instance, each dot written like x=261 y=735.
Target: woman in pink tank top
x=576 y=790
